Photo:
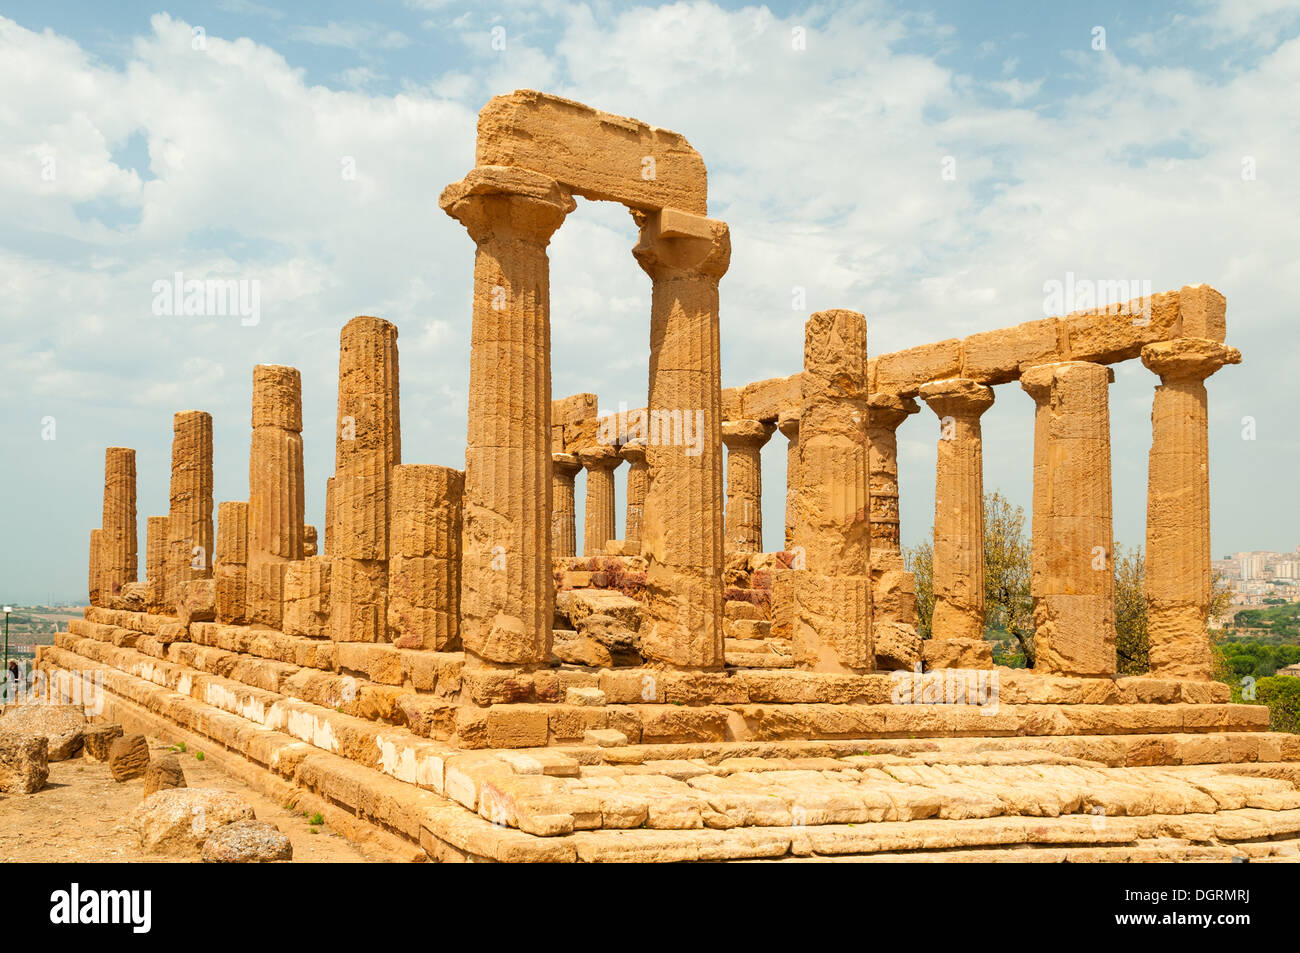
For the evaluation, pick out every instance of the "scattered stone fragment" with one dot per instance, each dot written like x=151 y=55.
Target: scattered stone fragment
x=24 y=763
x=63 y=725
x=128 y=757
x=178 y=820
x=163 y=772
x=245 y=842
x=97 y=739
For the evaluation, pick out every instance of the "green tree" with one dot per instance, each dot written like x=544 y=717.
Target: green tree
x=1131 y=646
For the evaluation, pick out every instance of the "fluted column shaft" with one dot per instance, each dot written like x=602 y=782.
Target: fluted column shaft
x=564 y=510
x=958 y=508
x=231 y=568
x=1178 y=580
x=744 y=440
x=1074 y=581
x=118 y=560
x=638 y=481
x=367 y=446
x=424 y=557
x=789 y=427
x=275 y=484
x=681 y=527
x=157 y=531
x=189 y=529
x=507 y=589
x=598 y=520
x=887 y=413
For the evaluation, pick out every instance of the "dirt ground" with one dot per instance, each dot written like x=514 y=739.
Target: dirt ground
x=79 y=816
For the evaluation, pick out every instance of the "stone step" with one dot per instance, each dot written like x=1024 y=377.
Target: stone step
x=764 y=660
x=449 y=831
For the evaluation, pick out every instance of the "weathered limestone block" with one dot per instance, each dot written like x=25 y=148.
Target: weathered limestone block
x=744 y=440
x=163 y=773
x=97 y=739
x=63 y=726
x=681 y=527
x=178 y=820
x=1178 y=580
x=307 y=597
x=788 y=423
x=591 y=153
x=965 y=653
x=1202 y=313
x=569 y=411
x=264 y=585
x=1118 y=332
x=507 y=592
x=958 y=508
x=361 y=506
x=903 y=372
x=564 y=534
x=1073 y=583
x=245 y=842
x=189 y=553
x=600 y=462
x=358 y=600
x=128 y=757
x=309 y=542
x=197 y=601
x=24 y=766
x=829 y=619
x=765 y=400
x=638 y=481
x=424 y=563
x=155 y=561
x=118 y=532
x=995 y=357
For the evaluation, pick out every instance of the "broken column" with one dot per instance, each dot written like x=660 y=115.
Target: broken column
x=155 y=561
x=743 y=519
x=189 y=529
x=118 y=536
x=275 y=488
x=507 y=588
x=824 y=603
x=637 y=481
x=564 y=534
x=599 y=461
x=893 y=593
x=1178 y=580
x=231 y=565
x=96 y=579
x=368 y=444
x=788 y=423
x=1073 y=582
x=424 y=557
x=957 y=626
x=685 y=256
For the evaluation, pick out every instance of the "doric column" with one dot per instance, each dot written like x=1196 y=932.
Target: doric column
x=189 y=529
x=231 y=567
x=424 y=557
x=564 y=510
x=1073 y=580
x=157 y=529
x=118 y=539
x=744 y=514
x=959 y=513
x=1178 y=580
x=96 y=576
x=637 y=482
x=888 y=411
x=367 y=445
x=275 y=488
x=507 y=587
x=681 y=526
x=788 y=423
x=599 y=461
x=825 y=602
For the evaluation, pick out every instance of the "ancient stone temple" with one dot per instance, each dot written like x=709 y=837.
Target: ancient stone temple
x=460 y=671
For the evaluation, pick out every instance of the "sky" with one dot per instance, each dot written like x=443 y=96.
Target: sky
x=301 y=150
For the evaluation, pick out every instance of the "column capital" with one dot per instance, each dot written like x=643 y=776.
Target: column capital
x=1036 y=381
x=788 y=423
x=506 y=202
x=957 y=397
x=745 y=433
x=1188 y=359
x=675 y=244
x=599 y=456
x=633 y=451
x=888 y=411
x=566 y=464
